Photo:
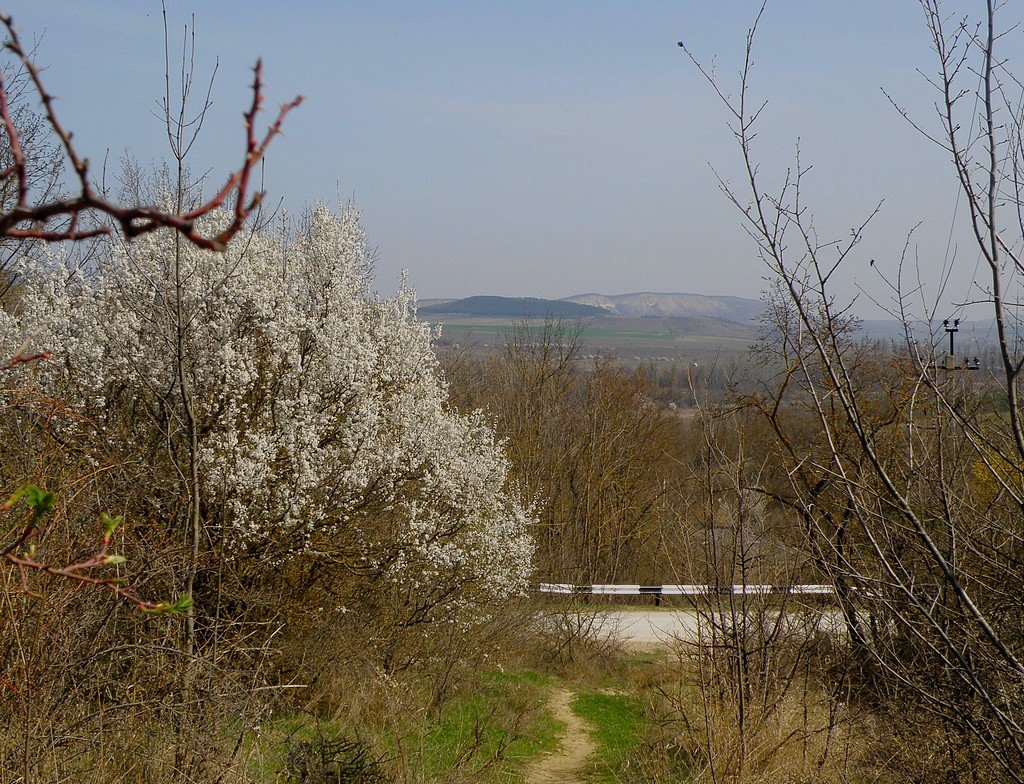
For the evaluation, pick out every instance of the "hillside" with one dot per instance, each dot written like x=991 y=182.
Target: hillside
x=647 y=304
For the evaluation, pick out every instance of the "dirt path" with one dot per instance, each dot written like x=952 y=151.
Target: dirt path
x=568 y=763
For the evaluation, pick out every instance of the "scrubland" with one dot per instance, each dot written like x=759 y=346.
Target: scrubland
x=256 y=531
x=342 y=629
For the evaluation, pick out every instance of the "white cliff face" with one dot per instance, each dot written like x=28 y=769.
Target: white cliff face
x=652 y=304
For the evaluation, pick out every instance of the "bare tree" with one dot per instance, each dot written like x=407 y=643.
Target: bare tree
x=589 y=447
x=907 y=474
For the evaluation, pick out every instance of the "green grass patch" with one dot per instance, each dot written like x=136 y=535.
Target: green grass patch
x=618 y=726
x=493 y=732
x=489 y=733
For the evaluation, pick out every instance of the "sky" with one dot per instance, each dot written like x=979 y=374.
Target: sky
x=536 y=148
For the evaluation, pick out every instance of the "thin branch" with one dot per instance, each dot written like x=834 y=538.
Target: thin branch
x=27 y=221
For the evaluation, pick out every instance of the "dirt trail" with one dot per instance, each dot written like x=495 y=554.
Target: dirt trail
x=568 y=763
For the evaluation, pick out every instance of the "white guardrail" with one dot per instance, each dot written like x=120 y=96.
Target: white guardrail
x=687 y=590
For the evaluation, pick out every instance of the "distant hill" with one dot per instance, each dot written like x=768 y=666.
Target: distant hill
x=647 y=304
x=510 y=307
x=648 y=325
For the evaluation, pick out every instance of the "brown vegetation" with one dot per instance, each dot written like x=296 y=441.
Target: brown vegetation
x=597 y=456
x=836 y=460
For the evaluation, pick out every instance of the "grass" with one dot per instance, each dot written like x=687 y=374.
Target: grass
x=488 y=734
x=493 y=731
x=618 y=724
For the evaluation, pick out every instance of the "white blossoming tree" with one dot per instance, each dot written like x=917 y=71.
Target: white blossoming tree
x=321 y=424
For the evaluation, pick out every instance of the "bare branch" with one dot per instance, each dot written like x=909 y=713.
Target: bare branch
x=27 y=221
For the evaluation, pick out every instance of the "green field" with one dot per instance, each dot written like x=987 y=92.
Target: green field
x=585 y=332
x=629 y=339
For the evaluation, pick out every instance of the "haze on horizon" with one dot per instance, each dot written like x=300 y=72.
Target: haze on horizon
x=537 y=149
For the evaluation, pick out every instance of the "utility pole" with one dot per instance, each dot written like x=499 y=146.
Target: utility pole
x=950 y=363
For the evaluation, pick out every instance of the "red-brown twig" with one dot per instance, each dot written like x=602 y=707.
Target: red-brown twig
x=22 y=358
x=26 y=563
x=20 y=552
x=27 y=221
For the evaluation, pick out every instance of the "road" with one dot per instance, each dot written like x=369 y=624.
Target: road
x=657 y=626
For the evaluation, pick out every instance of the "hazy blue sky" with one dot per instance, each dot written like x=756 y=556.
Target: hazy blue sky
x=531 y=148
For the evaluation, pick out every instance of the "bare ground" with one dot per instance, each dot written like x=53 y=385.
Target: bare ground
x=570 y=761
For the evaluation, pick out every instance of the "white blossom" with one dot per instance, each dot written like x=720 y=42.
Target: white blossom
x=322 y=415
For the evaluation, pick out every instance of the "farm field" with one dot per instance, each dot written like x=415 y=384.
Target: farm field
x=628 y=339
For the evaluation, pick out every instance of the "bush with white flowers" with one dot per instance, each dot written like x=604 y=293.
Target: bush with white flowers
x=321 y=417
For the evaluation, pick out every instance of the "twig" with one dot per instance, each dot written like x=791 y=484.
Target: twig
x=27 y=221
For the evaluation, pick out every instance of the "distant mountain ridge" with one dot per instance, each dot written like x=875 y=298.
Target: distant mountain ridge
x=647 y=313
x=645 y=304
x=651 y=304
